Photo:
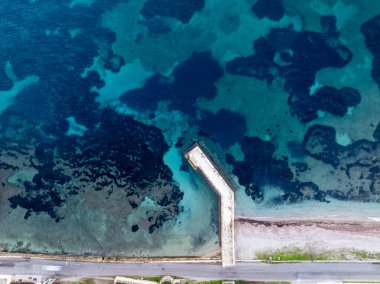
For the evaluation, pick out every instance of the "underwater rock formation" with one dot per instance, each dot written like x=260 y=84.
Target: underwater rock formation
x=271 y=9
x=217 y=124
x=302 y=55
x=260 y=65
x=5 y=82
x=183 y=10
x=328 y=24
x=376 y=133
x=359 y=179
x=155 y=89
x=371 y=32
x=192 y=78
x=355 y=167
x=156 y=26
x=335 y=101
x=113 y=62
x=60 y=90
x=132 y=163
x=260 y=168
x=34 y=135
x=319 y=142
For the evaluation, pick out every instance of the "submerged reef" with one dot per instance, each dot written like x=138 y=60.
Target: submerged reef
x=371 y=32
x=61 y=91
x=216 y=125
x=5 y=82
x=271 y=9
x=355 y=167
x=296 y=57
x=319 y=142
x=156 y=26
x=376 y=133
x=328 y=24
x=72 y=164
x=191 y=79
x=260 y=167
x=155 y=89
x=335 y=101
x=35 y=138
x=183 y=10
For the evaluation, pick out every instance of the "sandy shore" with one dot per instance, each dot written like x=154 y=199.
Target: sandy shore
x=257 y=236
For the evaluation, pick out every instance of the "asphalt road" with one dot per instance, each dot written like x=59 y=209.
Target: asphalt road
x=245 y=271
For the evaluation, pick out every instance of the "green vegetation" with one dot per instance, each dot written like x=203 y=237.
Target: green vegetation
x=152 y=278
x=158 y=278
x=295 y=254
x=364 y=255
x=84 y=281
x=210 y=282
x=309 y=254
x=236 y=282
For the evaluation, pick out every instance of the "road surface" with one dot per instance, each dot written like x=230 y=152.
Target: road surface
x=245 y=271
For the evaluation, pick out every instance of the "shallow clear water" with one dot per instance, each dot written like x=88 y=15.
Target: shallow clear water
x=100 y=99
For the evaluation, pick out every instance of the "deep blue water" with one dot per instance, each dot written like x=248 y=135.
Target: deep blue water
x=285 y=93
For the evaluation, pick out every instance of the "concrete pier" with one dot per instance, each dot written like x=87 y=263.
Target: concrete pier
x=201 y=163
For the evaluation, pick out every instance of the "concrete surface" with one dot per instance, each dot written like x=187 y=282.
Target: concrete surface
x=302 y=272
x=201 y=163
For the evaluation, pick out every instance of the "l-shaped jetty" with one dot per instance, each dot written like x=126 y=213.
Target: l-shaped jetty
x=204 y=165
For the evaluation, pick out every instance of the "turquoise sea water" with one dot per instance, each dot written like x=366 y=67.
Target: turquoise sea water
x=100 y=99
